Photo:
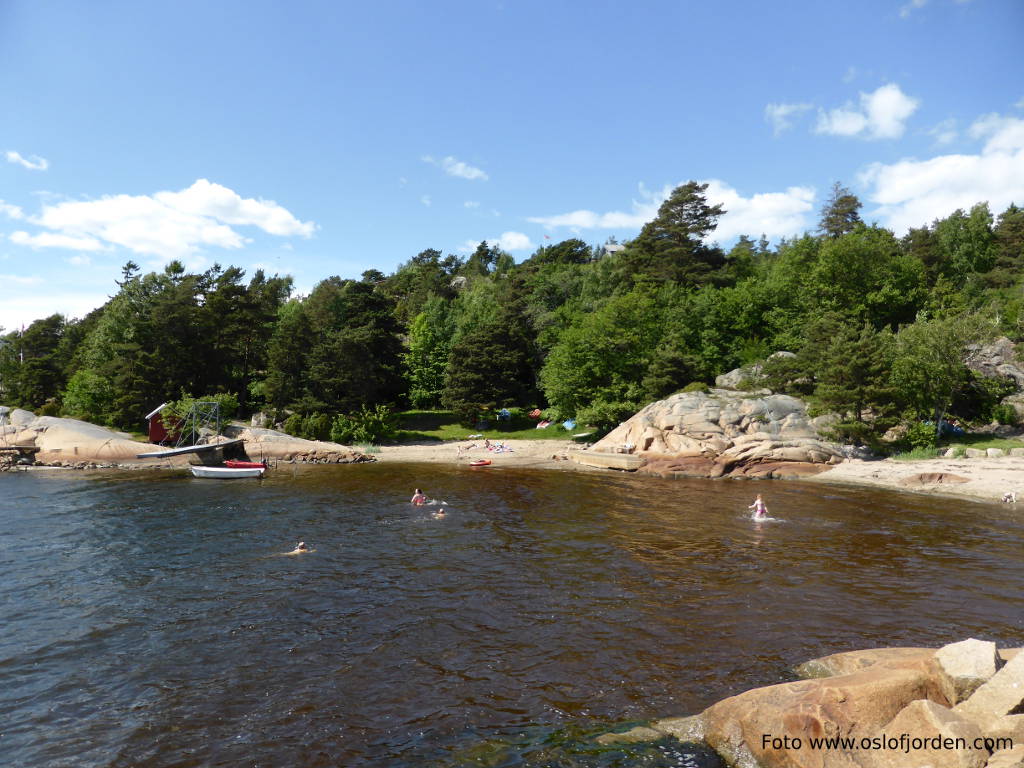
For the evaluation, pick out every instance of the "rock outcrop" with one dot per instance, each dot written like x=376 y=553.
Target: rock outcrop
x=879 y=708
x=70 y=442
x=724 y=432
x=74 y=443
x=271 y=444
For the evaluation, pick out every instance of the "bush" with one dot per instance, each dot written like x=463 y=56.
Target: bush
x=921 y=435
x=293 y=425
x=605 y=415
x=316 y=426
x=1004 y=413
x=696 y=386
x=367 y=426
x=855 y=433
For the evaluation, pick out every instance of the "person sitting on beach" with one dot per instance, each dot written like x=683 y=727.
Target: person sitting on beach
x=1010 y=497
x=760 y=510
x=418 y=498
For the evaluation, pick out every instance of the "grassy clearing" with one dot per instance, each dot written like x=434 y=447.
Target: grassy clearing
x=960 y=444
x=419 y=426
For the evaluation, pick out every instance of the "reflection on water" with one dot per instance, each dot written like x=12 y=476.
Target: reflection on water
x=147 y=620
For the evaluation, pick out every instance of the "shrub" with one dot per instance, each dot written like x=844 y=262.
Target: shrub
x=293 y=425
x=1004 y=413
x=696 y=386
x=368 y=426
x=921 y=434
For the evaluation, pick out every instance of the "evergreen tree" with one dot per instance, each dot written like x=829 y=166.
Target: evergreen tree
x=840 y=213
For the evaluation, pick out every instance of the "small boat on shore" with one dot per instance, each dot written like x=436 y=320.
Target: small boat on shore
x=239 y=464
x=228 y=473
x=480 y=463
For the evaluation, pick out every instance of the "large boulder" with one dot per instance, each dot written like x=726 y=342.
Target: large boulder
x=1000 y=695
x=848 y=662
x=927 y=735
x=271 y=444
x=997 y=360
x=723 y=432
x=965 y=666
x=772 y=727
x=72 y=442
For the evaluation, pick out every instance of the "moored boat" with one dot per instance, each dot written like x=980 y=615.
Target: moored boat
x=225 y=473
x=480 y=463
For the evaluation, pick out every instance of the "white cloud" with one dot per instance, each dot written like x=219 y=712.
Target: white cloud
x=56 y=240
x=21 y=279
x=775 y=214
x=913 y=193
x=779 y=115
x=642 y=211
x=454 y=167
x=33 y=162
x=471 y=204
x=425 y=199
x=506 y=241
x=882 y=114
x=851 y=74
x=945 y=132
x=79 y=260
x=11 y=211
x=514 y=241
x=167 y=224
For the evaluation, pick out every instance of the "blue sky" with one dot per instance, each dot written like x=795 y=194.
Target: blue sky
x=322 y=138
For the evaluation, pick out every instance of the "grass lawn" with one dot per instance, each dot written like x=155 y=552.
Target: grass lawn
x=962 y=443
x=417 y=426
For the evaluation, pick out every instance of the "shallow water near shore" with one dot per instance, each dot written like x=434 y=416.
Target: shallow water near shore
x=146 y=619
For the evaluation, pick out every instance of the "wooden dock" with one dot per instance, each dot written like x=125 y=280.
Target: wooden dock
x=627 y=462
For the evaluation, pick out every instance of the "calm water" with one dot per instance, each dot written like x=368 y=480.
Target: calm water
x=145 y=619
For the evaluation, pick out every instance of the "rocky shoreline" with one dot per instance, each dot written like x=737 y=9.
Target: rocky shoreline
x=959 y=706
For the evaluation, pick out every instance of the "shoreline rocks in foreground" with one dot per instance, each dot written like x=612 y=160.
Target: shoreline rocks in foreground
x=959 y=705
x=726 y=433
x=79 y=444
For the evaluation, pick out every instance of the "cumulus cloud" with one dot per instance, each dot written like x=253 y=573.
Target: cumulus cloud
x=641 y=211
x=775 y=214
x=56 y=240
x=11 y=211
x=455 y=167
x=780 y=115
x=33 y=162
x=167 y=224
x=911 y=193
x=882 y=114
x=506 y=241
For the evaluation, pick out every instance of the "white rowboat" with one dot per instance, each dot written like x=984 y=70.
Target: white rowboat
x=225 y=473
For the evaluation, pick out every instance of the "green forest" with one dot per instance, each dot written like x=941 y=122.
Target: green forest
x=879 y=327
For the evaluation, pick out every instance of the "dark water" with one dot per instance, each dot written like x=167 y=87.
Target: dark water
x=145 y=619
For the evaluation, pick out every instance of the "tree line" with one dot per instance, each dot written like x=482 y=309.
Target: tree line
x=879 y=327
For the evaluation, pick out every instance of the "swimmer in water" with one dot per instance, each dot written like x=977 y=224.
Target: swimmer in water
x=418 y=498
x=439 y=515
x=760 y=510
x=300 y=549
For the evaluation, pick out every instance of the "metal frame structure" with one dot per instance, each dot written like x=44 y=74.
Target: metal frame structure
x=203 y=413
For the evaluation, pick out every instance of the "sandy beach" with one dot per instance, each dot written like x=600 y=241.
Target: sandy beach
x=982 y=479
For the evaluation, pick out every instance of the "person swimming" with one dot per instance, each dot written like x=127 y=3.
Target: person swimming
x=760 y=510
x=300 y=549
x=438 y=515
x=418 y=498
